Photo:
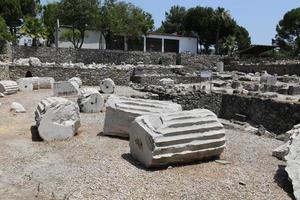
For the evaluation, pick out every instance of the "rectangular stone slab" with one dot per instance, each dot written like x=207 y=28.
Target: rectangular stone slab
x=121 y=112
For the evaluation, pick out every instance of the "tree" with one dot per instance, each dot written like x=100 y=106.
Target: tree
x=288 y=31
x=123 y=19
x=199 y=20
x=73 y=37
x=242 y=37
x=50 y=16
x=4 y=33
x=11 y=11
x=80 y=15
x=222 y=18
x=33 y=27
x=174 y=20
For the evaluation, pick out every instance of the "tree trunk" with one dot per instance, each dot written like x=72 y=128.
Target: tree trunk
x=82 y=38
x=125 y=43
x=217 y=41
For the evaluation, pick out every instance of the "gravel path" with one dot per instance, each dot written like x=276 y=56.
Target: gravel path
x=91 y=166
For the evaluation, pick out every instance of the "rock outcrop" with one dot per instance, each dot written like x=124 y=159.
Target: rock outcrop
x=163 y=139
x=9 y=87
x=57 y=118
x=107 y=86
x=121 y=112
x=90 y=101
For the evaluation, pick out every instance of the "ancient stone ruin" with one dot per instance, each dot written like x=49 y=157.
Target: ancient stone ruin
x=8 y=87
x=107 y=86
x=76 y=80
x=186 y=136
x=57 y=118
x=121 y=112
x=90 y=101
x=65 y=88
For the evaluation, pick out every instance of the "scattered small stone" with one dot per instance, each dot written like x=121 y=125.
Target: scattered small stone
x=2 y=95
x=17 y=108
x=224 y=162
x=242 y=183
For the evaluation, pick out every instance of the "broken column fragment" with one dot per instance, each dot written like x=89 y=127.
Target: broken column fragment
x=121 y=111
x=46 y=82
x=9 y=87
x=28 y=84
x=76 y=80
x=57 y=118
x=163 y=139
x=90 y=101
x=107 y=86
x=65 y=88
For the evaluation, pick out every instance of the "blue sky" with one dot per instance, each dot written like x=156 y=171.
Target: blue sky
x=258 y=16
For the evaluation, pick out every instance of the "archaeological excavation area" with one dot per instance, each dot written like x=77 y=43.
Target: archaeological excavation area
x=93 y=124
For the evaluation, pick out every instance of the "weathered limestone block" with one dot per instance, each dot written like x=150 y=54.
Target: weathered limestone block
x=35 y=62
x=293 y=162
x=90 y=101
x=46 y=82
x=57 y=118
x=76 y=80
x=9 y=87
x=121 y=111
x=179 y=137
x=65 y=88
x=281 y=151
x=166 y=81
x=17 y=108
x=107 y=86
x=28 y=84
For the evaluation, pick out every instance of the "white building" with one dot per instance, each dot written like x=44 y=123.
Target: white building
x=153 y=42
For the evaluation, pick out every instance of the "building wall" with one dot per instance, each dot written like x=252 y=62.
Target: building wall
x=186 y=44
x=91 y=40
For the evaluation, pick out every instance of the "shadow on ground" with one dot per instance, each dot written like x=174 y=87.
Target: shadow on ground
x=35 y=136
x=282 y=179
x=131 y=160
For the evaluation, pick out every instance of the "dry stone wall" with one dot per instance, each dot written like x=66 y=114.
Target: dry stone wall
x=4 y=73
x=275 y=116
x=89 y=56
x=88 y=76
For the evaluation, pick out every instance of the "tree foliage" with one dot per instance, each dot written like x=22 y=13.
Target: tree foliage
x=174 y=20
x=288 y=32
x=50 y=16
x=80 y=15
x=4 y=34
x=33 y=27
x=123 y=19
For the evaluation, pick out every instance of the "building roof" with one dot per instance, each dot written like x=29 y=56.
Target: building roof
x=170 y=35
x=257 y=49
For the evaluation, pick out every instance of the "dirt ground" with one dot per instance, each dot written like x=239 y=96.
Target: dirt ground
x=91 y=166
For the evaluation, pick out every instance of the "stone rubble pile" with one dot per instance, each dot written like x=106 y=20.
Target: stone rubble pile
x=178 y=137
x=57 y=118
x=77 y=80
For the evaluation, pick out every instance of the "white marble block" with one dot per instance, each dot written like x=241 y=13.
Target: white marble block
x=90 y=101
x=57 y=118
x=46 y=82
x=107 y=86
x=9 y=87
x=121 y=111
x=65 y=88
x=76 y=80
x=28 y=84
x=293 y=161
x=180 y=137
